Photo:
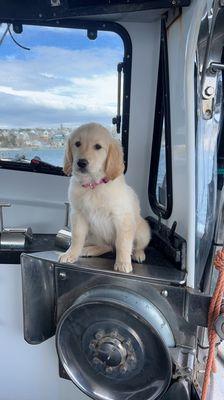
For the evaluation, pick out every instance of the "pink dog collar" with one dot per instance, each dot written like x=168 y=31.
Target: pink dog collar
x=93 y=185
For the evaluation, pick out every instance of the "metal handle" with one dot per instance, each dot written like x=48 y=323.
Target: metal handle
x=2 y=204
x=216 y=66
x=117 y=119
x=27 y=232
x=67 y=214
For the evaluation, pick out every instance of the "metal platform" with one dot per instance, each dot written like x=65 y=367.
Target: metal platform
x=160 y=270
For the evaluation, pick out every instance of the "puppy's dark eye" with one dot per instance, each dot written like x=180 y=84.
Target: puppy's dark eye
x=78 y=144
x=97 y=146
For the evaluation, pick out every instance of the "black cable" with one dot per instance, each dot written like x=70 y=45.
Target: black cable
x=15 y=41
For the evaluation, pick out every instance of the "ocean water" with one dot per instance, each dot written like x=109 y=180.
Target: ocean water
x=53 y=156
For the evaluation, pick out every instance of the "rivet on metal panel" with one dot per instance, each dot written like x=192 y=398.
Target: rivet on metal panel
x=62 y=275
x=164 y=293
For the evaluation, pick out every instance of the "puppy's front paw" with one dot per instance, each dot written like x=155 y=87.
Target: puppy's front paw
x=139 y=256
x=123 y=267
x=68 y=257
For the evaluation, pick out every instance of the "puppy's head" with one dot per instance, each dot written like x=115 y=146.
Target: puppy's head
x=91 y=154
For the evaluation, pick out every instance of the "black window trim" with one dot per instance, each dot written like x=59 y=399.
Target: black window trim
x=162 y=113
x=127 y=65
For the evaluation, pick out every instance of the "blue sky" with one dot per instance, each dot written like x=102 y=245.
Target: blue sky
x=64 y=79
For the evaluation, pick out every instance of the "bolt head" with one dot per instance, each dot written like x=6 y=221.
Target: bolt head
x=123 y=369
x=114 y=333
x=109 y=370
x=209 y=90
x=92 y=345
x=164 y=293
x=96 y=361
x=99 y=334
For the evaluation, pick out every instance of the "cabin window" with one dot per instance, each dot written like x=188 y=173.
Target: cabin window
x=65 y=78
x=160 y=178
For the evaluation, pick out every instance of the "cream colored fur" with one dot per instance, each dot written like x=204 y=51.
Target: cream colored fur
x=108 y=216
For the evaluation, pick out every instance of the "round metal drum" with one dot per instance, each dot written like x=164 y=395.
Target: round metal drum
x=112 y=353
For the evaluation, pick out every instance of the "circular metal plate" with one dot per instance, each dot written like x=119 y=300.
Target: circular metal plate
x=111 y=353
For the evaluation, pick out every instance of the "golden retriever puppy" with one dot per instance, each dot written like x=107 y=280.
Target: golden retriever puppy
x=105 y=213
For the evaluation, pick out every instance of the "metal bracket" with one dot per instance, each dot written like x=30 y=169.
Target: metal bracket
x=55 y=3
x=196 y=308
x=209 y=88
x=183 y=359
x=211 y=68
x=208 y=93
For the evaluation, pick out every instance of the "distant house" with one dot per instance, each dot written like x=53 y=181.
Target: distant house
x=58 y=139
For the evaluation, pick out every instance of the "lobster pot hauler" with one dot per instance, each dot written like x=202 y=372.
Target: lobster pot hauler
x=112 y=200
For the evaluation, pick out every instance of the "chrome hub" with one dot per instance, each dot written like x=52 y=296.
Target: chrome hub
x=112 y=354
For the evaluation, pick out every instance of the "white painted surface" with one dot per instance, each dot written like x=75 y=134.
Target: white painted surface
x=182 y=43
x=37 y=200
x=27 y=372
x=146 y=46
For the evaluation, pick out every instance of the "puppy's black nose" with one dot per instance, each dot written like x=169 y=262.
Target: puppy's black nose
x=82 y=163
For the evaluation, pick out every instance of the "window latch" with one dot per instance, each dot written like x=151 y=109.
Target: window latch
x=117 y=120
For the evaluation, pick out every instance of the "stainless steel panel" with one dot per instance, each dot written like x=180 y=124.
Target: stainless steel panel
x=38 y=299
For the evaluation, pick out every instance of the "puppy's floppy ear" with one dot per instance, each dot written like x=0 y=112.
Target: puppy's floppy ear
x=68 y=159
x=114 y=162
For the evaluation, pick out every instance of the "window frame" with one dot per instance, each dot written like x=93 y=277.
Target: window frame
x=162 y=113
x=89 y=26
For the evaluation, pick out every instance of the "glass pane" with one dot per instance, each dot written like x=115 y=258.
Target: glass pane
x=161 y=186
x=65 y=80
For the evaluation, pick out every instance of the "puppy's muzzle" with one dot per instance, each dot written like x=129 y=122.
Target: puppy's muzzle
x=82 y=164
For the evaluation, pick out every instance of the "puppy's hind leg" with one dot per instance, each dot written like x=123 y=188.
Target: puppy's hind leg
x=94 y=251
x=142 y=238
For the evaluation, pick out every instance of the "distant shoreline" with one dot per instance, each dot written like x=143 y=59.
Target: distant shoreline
x=31 y=148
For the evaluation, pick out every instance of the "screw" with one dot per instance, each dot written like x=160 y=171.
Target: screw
x=164 y=293
x=209 y=91
x=62 y=275
x=208 y=114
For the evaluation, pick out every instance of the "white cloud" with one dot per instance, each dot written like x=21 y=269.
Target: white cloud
x=90 y=94
x=51 y=85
